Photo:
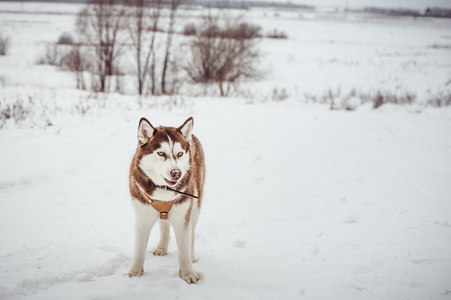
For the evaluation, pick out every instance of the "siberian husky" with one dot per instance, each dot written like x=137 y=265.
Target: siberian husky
x=166 y=184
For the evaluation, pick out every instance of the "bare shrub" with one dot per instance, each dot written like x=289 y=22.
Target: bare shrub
x=54 y=53
x=387 y=97
x=65 y=39
x=279 y=94
x=440 y=46
x=331 y=97
x=440 y=99
x=77 y=62
x=98 y=25
x=276 y=34
x=17 y=110
x=4 y=44
x=338 y=100
x=223 y=52
x=240 y=31
x=190 y=29
x=377 y=99
x=51 y=55
x=82 y=107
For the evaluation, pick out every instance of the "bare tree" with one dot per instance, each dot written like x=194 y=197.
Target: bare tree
x=77 y=62
x=223 y=52
x=172 y=19
x=99 y=24
x=144 y=15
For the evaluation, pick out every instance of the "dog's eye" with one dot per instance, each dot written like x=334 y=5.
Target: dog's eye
x=180 y=154
x=160 y=153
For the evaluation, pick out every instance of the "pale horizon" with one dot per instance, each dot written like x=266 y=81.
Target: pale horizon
x=408 y=4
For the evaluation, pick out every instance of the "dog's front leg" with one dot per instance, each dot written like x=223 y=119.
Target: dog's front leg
x=182 y=230
x=162 y=247
x=142 y=231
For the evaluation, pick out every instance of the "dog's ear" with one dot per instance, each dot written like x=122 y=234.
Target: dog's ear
x=187 y=128
x=145 y=131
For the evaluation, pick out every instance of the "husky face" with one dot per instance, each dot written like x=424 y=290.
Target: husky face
x=165 y=152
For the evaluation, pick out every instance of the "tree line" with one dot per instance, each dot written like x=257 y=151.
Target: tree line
x=220 y=49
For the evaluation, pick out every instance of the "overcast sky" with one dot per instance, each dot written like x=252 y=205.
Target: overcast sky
x=416 y=4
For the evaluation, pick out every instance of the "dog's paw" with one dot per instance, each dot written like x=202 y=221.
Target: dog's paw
x=190 y=277
x=134 y=273
x=159 y=252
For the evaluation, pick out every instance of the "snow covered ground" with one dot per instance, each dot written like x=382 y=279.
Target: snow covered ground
x=330 y=205
x=301 y=202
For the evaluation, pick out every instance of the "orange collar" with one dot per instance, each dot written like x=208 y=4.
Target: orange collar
x=163 y=207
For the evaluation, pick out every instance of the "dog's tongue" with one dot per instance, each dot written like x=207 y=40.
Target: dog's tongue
x=170 y=182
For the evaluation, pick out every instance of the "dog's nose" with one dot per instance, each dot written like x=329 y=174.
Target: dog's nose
x=176 y=174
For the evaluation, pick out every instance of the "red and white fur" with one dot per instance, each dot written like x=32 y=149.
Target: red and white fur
x=172 y=157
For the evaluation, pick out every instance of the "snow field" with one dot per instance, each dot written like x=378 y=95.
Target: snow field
x=330 y=204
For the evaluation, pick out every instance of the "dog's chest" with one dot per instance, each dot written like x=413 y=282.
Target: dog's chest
x=164 y=195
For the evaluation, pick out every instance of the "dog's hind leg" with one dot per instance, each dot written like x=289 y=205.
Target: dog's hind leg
x=162 y=247
x=182 y=232
x=194 y=218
